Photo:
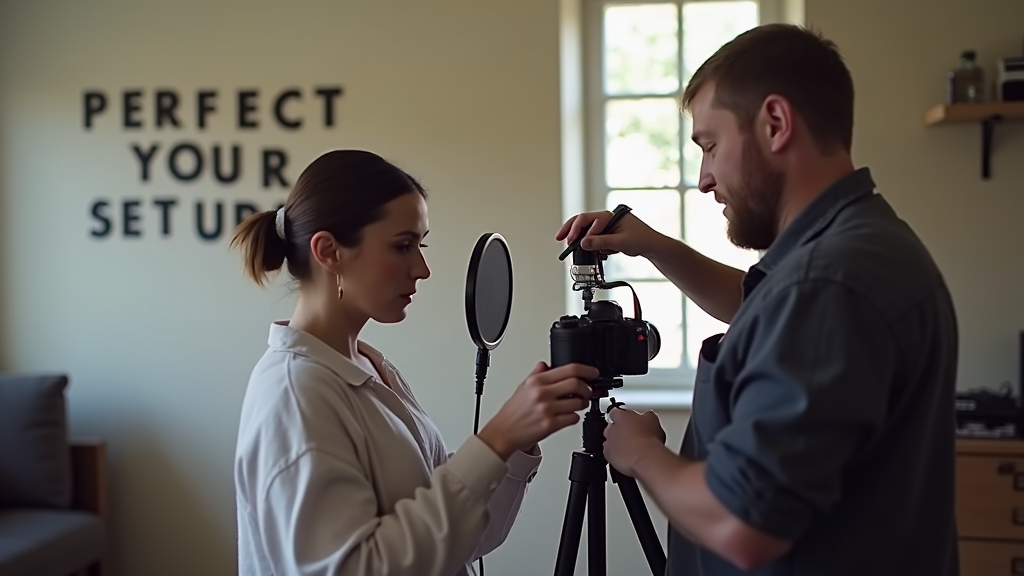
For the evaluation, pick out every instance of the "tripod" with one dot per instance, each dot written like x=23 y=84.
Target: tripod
x=587 y=496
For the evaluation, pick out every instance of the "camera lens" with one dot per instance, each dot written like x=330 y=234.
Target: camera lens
x=653 y=341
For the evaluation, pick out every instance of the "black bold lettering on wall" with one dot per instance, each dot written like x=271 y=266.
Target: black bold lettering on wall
x=99 y=213
x=236 y=164
x=131 y=109
x=130 y=219
x=274 y=161
x=218 y=227
x=246 y=106
x=166 y=106
x=145 y=160
x=188 y=160
x=94 y=102
x=174 y=161
x=291 y=124
x=164 y=205
x=329 y=94
x=205 y=106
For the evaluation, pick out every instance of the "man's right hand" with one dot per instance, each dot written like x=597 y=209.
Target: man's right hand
x=712 y=285
x=630 y=236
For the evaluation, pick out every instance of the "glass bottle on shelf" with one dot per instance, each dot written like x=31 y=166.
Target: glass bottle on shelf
x=966 y=83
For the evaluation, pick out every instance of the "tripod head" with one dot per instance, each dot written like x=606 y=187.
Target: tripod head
x=594 y=423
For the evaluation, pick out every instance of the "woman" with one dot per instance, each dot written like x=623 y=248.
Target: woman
x=338 y=469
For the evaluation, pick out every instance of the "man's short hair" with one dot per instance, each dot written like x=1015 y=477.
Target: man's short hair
x=789 y=61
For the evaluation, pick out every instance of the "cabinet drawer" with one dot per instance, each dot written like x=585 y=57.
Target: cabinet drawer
x=991 y=559
x=990 y=497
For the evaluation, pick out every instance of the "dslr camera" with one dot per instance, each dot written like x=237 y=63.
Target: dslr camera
x=602 y=337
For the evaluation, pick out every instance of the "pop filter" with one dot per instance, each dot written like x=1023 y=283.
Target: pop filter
x=489 y=291
x=488 y=303
x=488 y=307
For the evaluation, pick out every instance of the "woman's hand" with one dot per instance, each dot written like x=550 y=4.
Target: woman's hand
x=547 y=401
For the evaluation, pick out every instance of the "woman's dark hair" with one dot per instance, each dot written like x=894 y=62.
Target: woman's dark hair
x=340 y=192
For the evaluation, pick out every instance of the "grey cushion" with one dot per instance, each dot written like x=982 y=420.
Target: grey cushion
x=35 y=459
x=48 y=542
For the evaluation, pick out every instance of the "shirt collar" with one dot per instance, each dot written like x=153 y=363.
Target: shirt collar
x=811 y=221
x=284 y=337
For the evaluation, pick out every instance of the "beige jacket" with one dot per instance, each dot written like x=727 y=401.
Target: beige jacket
x=339 y=474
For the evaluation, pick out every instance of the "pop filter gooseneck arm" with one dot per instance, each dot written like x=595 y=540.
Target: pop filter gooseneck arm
x=488 y=307
x=488 y=303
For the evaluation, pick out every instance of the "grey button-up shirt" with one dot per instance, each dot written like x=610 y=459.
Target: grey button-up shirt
x=825 y=412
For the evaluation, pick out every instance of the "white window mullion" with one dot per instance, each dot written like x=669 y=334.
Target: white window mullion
x=683 y=137
x=595 y=104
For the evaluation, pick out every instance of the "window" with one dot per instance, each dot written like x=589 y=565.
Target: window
x=638 y=58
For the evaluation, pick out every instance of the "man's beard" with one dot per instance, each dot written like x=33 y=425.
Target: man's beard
x=754 y=203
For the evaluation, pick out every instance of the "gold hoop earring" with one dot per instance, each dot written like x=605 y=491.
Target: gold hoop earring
x=341 y=291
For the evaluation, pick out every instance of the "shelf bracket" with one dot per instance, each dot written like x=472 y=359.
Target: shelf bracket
x=988 y=128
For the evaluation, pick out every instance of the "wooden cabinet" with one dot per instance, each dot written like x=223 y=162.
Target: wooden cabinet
x=990 y=507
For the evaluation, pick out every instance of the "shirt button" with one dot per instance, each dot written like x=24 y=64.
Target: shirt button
x=494 y=485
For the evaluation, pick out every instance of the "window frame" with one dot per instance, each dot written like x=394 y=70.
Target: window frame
x=659 y=387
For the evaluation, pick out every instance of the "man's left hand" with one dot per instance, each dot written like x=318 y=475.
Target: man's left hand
x=629 y=435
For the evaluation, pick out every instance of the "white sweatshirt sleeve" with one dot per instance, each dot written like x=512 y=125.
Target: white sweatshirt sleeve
x=319 y=516
x=507 y=500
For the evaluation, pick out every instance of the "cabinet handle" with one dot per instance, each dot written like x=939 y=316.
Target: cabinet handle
x=1016 y=565
x=1005 y=468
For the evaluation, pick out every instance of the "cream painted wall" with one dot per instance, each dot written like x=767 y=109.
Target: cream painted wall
x=159 y=334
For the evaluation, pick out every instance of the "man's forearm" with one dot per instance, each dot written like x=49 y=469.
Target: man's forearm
x=713 y=286
x=680 y=490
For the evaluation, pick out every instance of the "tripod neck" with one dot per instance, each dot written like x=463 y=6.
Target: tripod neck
x=593 y=429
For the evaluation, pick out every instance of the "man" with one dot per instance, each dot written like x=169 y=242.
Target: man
x=821 y=440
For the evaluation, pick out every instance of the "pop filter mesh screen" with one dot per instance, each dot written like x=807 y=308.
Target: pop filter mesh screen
x=493 y=290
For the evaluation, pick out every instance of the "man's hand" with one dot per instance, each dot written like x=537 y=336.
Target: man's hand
x=631 y=236
x=629 y=436
x=635 y=446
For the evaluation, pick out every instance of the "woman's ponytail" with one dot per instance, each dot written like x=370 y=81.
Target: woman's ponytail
x=263 y=250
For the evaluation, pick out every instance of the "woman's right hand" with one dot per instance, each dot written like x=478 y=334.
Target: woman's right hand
x=547 y=401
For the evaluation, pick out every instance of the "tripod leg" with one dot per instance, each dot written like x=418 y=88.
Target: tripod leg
x=641 y=519
x=596 y=540
x=572 y=525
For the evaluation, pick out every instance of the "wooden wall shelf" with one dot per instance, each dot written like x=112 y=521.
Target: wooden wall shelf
x=947 y=113
x=988 y=114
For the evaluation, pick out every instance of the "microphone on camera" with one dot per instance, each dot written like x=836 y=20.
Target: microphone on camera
x=587 y=272
x=488 y=303
x=620 y=211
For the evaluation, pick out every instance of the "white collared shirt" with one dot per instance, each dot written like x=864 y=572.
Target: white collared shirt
x=338 y=474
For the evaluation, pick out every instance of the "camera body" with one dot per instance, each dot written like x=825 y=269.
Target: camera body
x=602 y=338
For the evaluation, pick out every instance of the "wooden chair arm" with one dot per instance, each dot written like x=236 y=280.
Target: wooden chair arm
x=89 y=475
